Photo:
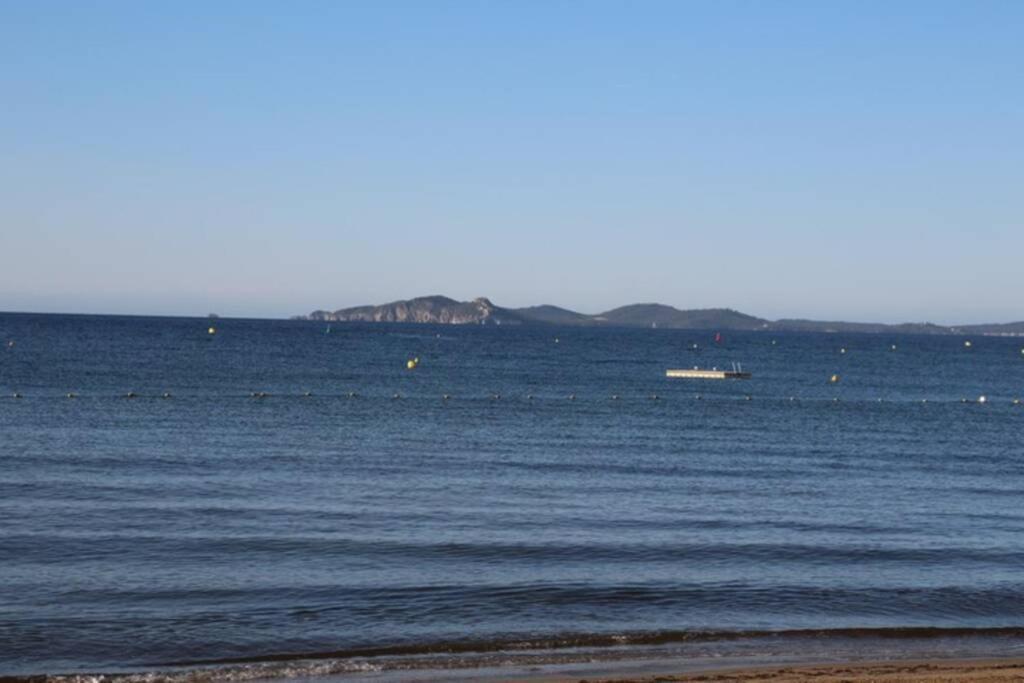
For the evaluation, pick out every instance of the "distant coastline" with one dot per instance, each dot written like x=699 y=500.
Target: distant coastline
x=481 y=311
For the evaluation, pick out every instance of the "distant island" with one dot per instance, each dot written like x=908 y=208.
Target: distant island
x=443 y=310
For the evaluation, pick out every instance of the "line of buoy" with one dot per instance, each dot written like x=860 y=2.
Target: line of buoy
x=132 y=394
x=982 y=399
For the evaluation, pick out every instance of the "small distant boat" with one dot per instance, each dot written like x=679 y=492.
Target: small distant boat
x=705 y=373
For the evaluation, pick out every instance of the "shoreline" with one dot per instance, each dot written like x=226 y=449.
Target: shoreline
x=926 y=656
x=932 y=670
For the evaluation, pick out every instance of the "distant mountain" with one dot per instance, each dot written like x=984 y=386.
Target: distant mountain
x=441 y=309
x=553 y=315
x=659 y=315
x=481 y=311
x=868 y=328
x=425 y=309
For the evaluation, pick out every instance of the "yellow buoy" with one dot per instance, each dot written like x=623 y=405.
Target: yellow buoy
x=833 y=379
x=211 y=330
x=411 y=364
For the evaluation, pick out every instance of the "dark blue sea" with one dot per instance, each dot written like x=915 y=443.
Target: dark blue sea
x=284 y=498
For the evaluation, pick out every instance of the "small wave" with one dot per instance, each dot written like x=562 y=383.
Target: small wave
x=35 y=548
x=597 y=640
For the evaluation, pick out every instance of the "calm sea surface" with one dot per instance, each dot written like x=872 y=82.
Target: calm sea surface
x=211 y=526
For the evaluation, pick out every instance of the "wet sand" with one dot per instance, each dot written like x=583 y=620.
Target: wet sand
x=953 y=671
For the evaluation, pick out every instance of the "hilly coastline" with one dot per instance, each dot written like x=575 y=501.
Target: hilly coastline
x=481 y=311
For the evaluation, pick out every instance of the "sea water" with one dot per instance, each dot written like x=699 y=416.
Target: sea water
x=280 y=491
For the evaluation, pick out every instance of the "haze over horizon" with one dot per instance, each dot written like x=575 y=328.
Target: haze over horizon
x=788 y=160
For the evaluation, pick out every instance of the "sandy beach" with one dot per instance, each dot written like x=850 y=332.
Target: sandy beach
x=955 y=671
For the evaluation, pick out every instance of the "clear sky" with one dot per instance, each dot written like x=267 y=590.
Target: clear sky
x=847 y=159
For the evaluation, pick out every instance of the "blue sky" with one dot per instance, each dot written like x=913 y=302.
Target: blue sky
x=847 y=160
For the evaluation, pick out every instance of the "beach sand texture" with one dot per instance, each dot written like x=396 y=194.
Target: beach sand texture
x=990 y=671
